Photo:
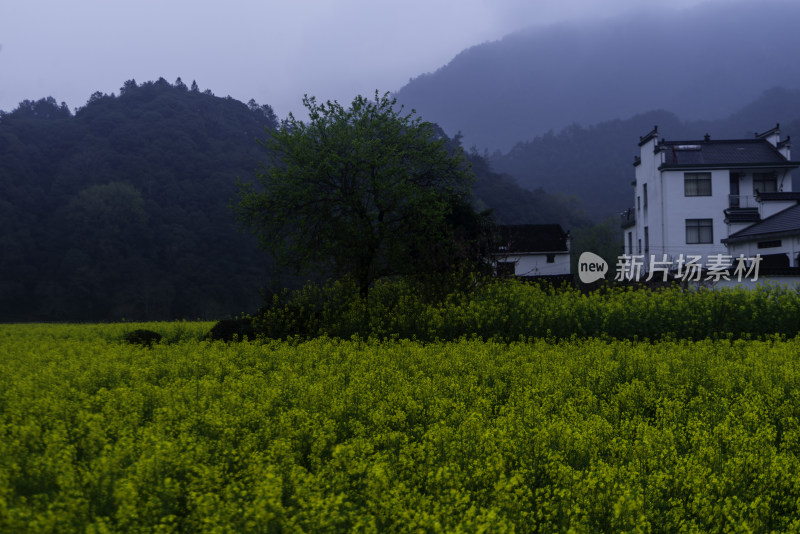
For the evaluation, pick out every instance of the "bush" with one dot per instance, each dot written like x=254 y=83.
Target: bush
x=509 y=310
x=142 y=337
x=232 y=330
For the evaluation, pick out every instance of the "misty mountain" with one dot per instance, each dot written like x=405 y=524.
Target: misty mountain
x=701 y=64
x=122 y=209
x=594 y=163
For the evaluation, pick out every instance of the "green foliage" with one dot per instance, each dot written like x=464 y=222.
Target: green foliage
x=603 y=238
x=143 y=337
x=364 y=191
x=510 y=310
x=513 y=204
x=232 y=330
x=121 y=210
x=395 y=436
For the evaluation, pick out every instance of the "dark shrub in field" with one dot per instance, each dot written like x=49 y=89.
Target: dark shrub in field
x=142 y=337
x=232 y=330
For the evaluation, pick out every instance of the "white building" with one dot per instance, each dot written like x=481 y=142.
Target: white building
x=532 y=251
x=776 y=237
x=699 y=197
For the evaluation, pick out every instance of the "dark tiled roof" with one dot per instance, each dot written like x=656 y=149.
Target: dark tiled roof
x=531 y=238
x=650 y=135
x=723 y=152
x=735 y=215
x=786 y=222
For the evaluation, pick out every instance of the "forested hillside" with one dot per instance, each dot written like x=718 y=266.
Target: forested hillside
x=122 y=209
x=595 y=162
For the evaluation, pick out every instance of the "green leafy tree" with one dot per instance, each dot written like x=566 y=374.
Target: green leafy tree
x=603 y=238
x=366 y=191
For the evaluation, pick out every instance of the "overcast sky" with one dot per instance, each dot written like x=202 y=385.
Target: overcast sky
x=270 y=50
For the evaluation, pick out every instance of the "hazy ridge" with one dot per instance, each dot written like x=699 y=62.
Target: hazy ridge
x=594 y=163
x=701 y=64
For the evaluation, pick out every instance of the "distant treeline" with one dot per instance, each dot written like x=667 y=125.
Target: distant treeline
x=122 y=209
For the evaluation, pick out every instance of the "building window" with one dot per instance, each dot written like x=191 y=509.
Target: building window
x=769 y=244
x=699 y=231
x=644 y=194
x=646 y=241
x=733 y=199
x=765 y=182
x=506 y=268
x=639 y=203
x=697 y=184
x=640 y=247
x=551 y=258
x=630 y=242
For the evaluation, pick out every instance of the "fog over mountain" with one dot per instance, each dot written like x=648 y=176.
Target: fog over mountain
x=701 y=63
x=594 y=163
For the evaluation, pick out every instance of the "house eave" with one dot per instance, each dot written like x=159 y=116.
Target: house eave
x=760 y=237
x=771 y=131
x=507 y=253
x=652 y=134
x=713 y=166
x=780 y=196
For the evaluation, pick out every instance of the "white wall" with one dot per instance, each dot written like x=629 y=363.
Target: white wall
x=668 y=208
x=679 y=208
x=735 y=227
x=789 y=245
x=650 y=217
x=536 y=264
x=629 y=243
x=767 y=209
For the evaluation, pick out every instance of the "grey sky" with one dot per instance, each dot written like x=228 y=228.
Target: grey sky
x=270 y=50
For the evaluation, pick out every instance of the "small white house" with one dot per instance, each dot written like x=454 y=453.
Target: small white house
x=532 y=251
x=710 y=197
x=776 y=238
